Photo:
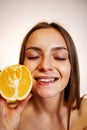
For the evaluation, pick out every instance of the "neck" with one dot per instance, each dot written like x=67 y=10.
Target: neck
x=49 y=105
x=50 y=109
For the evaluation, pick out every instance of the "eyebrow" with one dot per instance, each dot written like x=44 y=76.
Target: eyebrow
x=33 y=48
x=60 y=48
x=54 y=49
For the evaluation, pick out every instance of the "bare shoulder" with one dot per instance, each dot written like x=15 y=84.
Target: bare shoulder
x=84 y=105
x=83 y=109
x=79 y=117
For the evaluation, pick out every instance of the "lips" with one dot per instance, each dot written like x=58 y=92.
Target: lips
x=46 y=79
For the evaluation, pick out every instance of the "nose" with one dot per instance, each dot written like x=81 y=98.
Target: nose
x=45 y=64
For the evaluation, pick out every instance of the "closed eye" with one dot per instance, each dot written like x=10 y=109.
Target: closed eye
x=59 y=58
x=33 y=57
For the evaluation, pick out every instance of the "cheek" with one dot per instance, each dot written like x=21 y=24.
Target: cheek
x=30 y=65
x=64 y=75
x=65 y=70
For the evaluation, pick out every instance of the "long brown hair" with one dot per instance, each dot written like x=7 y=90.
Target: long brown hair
x=72 y=90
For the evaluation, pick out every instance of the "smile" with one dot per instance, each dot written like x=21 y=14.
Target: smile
x=46 y=80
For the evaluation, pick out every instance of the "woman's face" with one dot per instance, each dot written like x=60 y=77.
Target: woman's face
x=46 y=56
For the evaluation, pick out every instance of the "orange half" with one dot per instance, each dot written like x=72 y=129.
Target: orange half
x=15 y=82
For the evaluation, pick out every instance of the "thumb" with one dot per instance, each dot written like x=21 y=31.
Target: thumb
x=22 y=104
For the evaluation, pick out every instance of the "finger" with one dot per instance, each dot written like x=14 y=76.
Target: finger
x=22 y=104
x=3 y=104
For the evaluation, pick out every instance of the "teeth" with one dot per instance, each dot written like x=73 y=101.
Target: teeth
x=46 y=80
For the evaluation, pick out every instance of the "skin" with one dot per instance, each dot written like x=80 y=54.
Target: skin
x=47 y=58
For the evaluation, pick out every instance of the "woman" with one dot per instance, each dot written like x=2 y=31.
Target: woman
x=55 y=103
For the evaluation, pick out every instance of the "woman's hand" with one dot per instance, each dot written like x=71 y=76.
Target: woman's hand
x=10 y=117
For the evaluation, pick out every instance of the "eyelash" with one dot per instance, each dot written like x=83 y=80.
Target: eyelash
x=37 y=57
x=58 y=58
x=33 y=58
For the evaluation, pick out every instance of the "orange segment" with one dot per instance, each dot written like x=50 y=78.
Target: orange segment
x=15 y=82
x=24 y=84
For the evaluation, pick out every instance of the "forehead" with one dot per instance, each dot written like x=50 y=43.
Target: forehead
x=48 y=37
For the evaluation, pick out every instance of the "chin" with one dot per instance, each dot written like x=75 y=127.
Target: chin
x=46 y=94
